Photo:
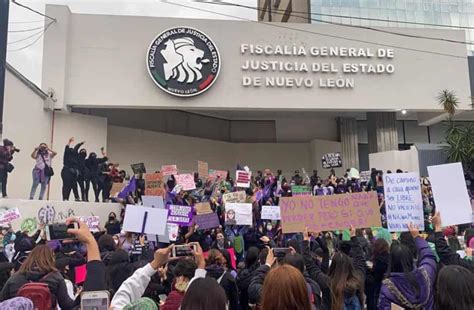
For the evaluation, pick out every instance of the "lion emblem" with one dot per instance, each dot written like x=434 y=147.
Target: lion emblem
x=183 y=60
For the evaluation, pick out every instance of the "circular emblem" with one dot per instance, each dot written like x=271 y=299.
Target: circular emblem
x=183 y=61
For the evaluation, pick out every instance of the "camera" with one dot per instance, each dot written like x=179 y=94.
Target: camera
x=16 y=150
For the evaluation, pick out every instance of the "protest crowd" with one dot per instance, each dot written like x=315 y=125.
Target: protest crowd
x=236 y=243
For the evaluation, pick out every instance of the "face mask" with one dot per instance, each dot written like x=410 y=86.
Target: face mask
x=220 y=242
x=269 y=227
x=111 y=218
x=13 y=237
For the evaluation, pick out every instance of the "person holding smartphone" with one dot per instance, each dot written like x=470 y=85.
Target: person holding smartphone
x=42 y=170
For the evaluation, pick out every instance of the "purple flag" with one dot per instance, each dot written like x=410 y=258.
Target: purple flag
x=130 y=188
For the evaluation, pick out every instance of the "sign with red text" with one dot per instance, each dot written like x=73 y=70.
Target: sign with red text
x=186 y=181
x=154 y=185
x=242 y=178
x=9 y=215
x=169 y=170
x=322 y=213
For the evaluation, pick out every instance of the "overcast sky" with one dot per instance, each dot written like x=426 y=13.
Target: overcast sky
x=28 y=60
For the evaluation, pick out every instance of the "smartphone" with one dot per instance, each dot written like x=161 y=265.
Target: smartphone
x=59 y=231
x=183 y=250
x=95 y=300
x=281 y=252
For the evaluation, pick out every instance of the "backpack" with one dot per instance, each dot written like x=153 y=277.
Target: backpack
x=38 y=293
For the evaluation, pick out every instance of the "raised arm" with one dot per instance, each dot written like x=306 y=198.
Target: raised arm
x=35 y=153
x=358 y=255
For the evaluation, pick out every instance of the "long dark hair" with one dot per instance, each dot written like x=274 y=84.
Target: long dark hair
x=455 y=289
x=381 y=248
x=204 y=294
x=343 y=277
x=401 y=260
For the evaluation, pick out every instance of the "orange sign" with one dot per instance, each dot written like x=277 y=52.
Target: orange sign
x=323 y=213
x=154 y=185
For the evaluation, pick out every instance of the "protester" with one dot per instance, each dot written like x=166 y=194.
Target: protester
x=406 y=285
x=113 y=225
x=70 y=171
x=376 y=269
x=455 y=290
x=93 y=173
x=82 y=173
x=6 y=156
x=198 y=296
x=246 y=274
x=42 y=172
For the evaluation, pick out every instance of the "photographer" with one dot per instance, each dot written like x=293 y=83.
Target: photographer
x=6 y=155
x=42 y=172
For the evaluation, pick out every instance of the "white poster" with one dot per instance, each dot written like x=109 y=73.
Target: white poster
x=153 y=202
x=242 y=178
x=403 y=201
x=145 y=220
x=271 y=213
x=93 y=222
x=238 y=214
x=450 y=193
x=10 y=215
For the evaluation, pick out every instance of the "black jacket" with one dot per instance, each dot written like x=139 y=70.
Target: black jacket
x=244 y=277
x=448 y=257
x=55 y=282
x=92 y=165
x=113 y=228
x=71 y=156
x=227 y=282
x=314 y=270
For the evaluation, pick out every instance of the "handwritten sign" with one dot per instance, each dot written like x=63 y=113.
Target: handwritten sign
x=154 y=185
x=203 y=208
x=271 y=213
x=186 y=181
x=450 y=193
x=9 y=215
x=207 y=221
x=238 y=214
x=181 y=215
x=203 y=169
x=365 y=176
x=138 y=168
x=322 y=213
x=214 y=174
x=234 y=197
x=116 y=188
x=242 y=178
x=403 y=201
x=93 y=222
x=331 y=160
x=168 y=170
x=300 y=190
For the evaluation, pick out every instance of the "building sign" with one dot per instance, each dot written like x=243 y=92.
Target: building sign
x=183 y=61
x=270 y=66
x=331 y=160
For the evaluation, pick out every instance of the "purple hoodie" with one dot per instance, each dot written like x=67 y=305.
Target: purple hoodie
x=425 y=276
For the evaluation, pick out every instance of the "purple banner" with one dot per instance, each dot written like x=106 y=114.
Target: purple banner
x=207 y=221
x=181 y=215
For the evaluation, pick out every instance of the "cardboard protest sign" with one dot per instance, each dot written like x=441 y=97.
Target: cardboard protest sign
x=403 y=201
x=234 y=197
x=93 y=222
x=186 y=181
x=181 y=215
x=271 y=213
x=138 y=168
x=238 y=214
x=169 y=170
x=242 y=178
x=213 y=174
x=153 y=202
x=365 y=176
x=145 y=220
x=450 y=193
x=154 y=185
x=331 y=160
x=322 y=213
x=207 y=221
x=203 y=169
x=116 y=188
x=300 y=190
x=203 y=208
x=10 y=215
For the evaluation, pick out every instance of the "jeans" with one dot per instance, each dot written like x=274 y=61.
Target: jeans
x=36 y=182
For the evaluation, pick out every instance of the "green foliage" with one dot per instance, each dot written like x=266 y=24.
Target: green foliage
x=460 y=143
x=448 y=100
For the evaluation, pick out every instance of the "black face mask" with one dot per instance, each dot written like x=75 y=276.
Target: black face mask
x=111 y=218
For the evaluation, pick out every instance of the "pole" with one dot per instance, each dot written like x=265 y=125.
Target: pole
x=4 y=8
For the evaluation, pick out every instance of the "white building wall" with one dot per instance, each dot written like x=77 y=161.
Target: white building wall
x=27 y=124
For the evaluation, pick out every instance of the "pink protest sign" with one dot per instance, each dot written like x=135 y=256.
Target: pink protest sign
x=322 y=213
x=169 y=170
x=186 y=181
x=81 y=273
x=222 y=174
